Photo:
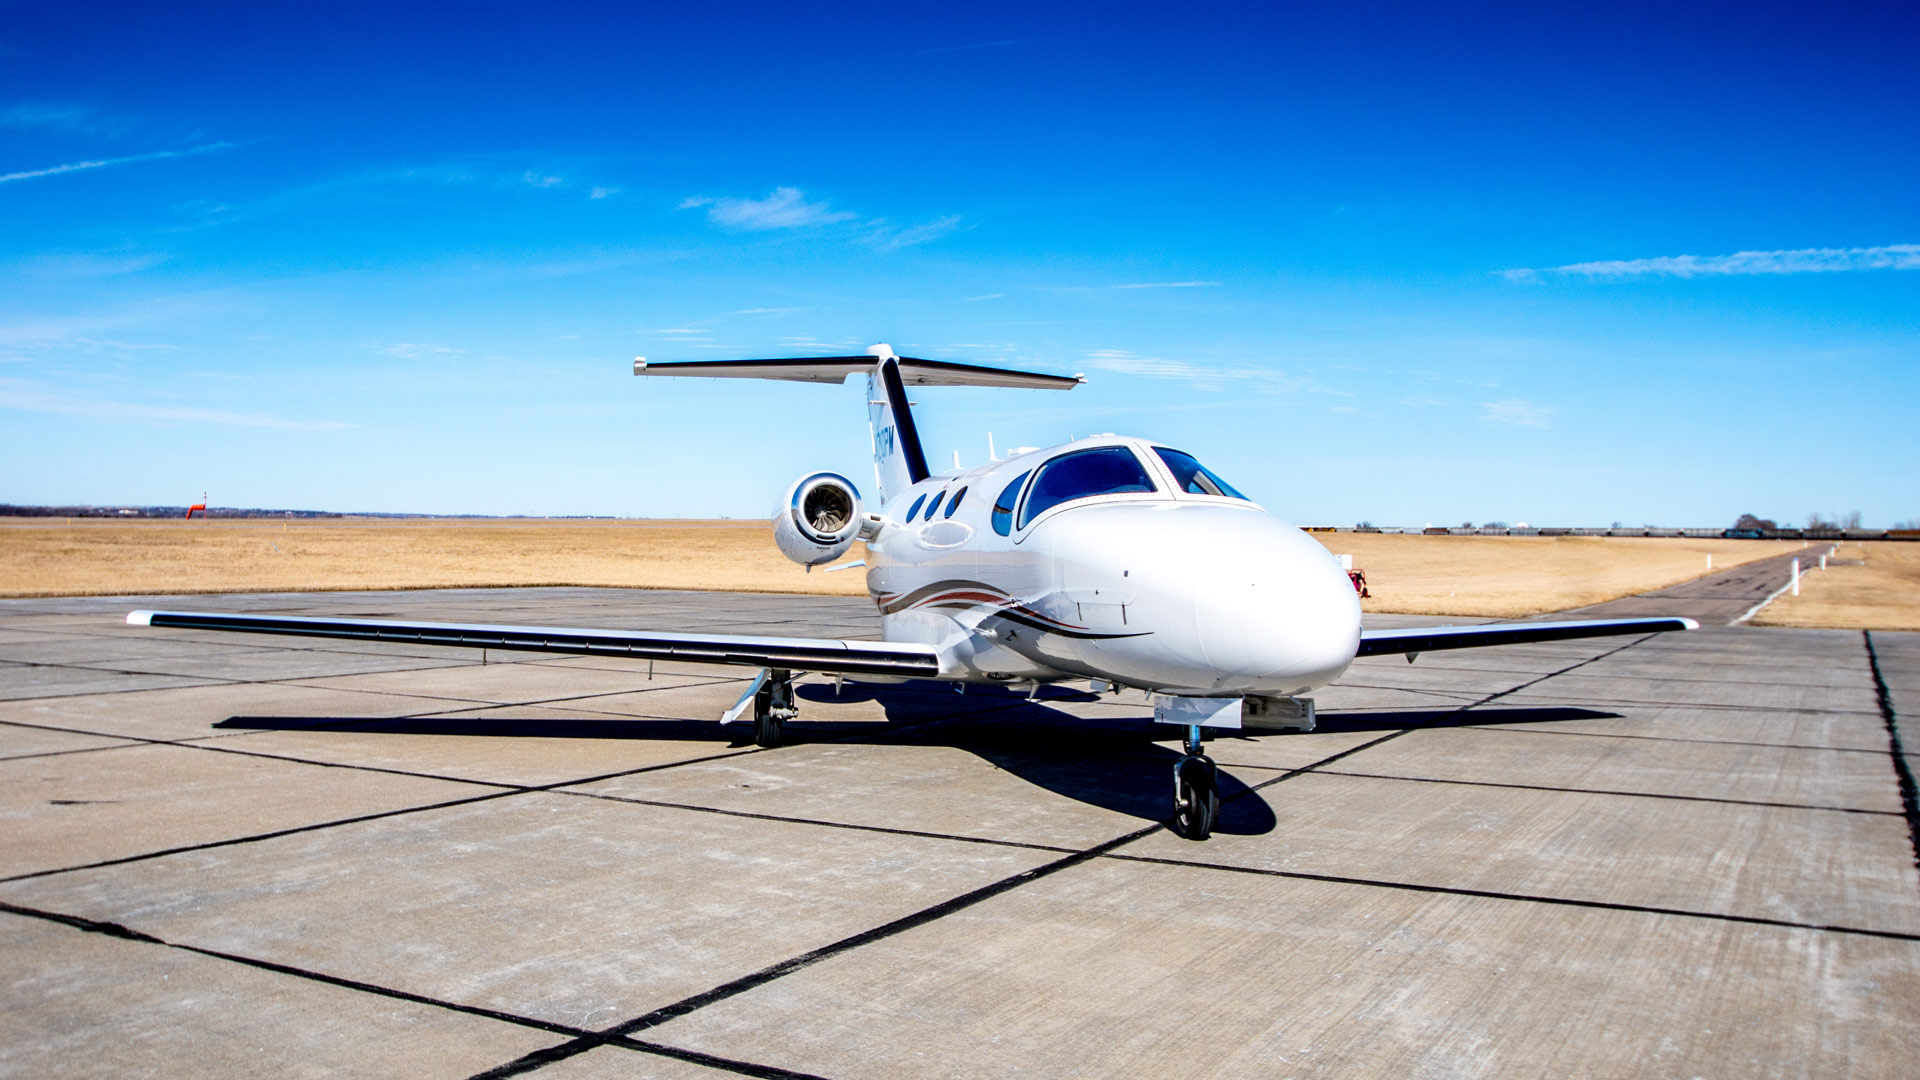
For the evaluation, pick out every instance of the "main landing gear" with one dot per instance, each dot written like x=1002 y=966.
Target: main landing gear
x=772 y=706
x=1196 y=790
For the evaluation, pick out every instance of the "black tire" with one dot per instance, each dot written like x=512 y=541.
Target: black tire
x=766 y=731
x=1200 y=799
x=766 y=725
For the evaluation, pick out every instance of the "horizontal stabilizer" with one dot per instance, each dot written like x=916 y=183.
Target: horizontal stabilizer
x=799 y=654
x=1422 y=639
x=832 y=369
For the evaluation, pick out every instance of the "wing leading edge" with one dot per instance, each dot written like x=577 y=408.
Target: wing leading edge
x=802 y=654
x=1421 y=639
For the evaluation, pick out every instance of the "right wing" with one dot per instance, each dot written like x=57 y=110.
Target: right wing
x=1421 y=639
x=800 y=654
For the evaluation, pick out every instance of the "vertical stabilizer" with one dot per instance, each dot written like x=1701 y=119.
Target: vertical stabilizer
x=899 y=462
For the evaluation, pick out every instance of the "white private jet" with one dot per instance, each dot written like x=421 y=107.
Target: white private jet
x=1112 y=559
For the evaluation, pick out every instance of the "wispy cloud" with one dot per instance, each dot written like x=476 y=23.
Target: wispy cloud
x=1516 y=412
x=891 y=239
x=1004 y=43
x=1794 y=261
x=984 y=296
x=66 y=119
x=786 y=208
x=1165 y=285
x=85 y=265
x=407 y=350
x=101 y=163
x=27 y=396
x=769 y=310
x=1206 y=376
x=603 y=192
x=789 y=208
x=535 y=178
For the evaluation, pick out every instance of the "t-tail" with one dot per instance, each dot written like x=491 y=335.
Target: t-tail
x=899 y=461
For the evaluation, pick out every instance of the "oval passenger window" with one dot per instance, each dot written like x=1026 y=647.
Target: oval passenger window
x=1003 y=506
x=934 y=506
x=915 y=508
x=955 y=504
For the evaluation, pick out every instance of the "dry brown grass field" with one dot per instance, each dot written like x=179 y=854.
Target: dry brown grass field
x=1441 y=575
x=48 y=557
x=1510 y=576
x=1873 y=585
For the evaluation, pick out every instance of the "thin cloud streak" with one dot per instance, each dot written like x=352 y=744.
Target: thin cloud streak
x=1203 y=376
x=914 y=235
x=785 y=208
x=1793 y=261
x=1165 y=285
x=1515 y=412
x=101 y=163
x=27 y=397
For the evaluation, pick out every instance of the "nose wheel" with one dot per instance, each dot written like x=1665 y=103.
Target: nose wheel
x=1196 y=791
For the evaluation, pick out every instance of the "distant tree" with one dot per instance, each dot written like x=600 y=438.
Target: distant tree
x=1494 y=525
x=1851 y=520
x=1749 y=521
x=1617 y=525
x=1910 y=523
x=1466 y=524
x=1364 y=525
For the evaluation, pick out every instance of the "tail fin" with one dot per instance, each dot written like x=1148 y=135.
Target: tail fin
x=898 y=459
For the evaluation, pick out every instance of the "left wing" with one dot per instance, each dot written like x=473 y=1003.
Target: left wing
x=802 y=654
x=1434 y=638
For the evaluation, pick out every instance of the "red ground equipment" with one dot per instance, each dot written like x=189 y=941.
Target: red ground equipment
x=1359 y=579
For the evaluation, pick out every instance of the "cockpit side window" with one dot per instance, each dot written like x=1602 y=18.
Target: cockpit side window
x=1108 y=470
x=954 y=503
x=915 y=508
x=1193 y=477
x=1003 y=506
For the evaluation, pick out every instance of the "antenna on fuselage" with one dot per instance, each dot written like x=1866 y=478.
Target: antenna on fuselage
x=991 y=456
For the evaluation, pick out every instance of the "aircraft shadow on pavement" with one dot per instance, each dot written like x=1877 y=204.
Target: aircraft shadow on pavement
x=1121 y=764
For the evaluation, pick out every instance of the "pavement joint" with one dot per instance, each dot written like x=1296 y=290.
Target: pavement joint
x=1490 y=894
x=124 y=933
x=991 y=841
x=735 y=987
x=1909 y=795
x=1618 y=794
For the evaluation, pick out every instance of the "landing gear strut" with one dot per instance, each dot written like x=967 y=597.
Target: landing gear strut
x=773 y=707
x=1196 y=790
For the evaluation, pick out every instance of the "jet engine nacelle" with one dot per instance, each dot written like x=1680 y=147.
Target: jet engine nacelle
x=818 y=519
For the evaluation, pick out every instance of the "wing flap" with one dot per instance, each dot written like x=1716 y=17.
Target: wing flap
x=1435 y=638
x=808 y=654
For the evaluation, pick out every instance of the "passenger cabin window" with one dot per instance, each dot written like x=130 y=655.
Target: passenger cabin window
x=915 y=508
x=934 y=506
x=1110 y=470
x=1003 y=506
x=955 y=503
x=1193 y=477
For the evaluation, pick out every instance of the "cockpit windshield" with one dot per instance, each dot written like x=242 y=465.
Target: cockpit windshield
x=1193 y=477
x=1108 y=470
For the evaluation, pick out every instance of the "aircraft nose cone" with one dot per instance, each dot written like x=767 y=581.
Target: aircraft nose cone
x=1276 y=613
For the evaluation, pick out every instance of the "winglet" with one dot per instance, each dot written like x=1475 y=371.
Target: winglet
x=139 y=618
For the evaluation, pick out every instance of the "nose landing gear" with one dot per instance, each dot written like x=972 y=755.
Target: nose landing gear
x=1196 y=790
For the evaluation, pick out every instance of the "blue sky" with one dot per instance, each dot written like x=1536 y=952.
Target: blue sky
x=1406 y=265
